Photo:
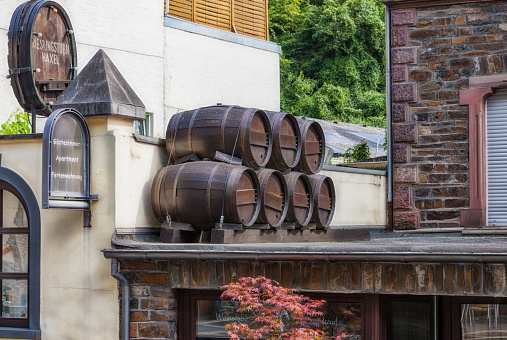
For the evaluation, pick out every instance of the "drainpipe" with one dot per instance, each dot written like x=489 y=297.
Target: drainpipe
x=389 y=121
x=125 y=299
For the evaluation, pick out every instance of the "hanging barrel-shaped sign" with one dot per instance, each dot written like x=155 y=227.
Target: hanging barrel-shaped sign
x=286 y=140
x=324 y=199
x=42 y=54
x=300 y=198
x=313 y=148
x=273 y=197
x=200 y=193
x=233 y=130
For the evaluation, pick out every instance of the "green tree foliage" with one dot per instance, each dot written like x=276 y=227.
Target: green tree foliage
x=18 y=123
x=332 y=65
x=358 y=152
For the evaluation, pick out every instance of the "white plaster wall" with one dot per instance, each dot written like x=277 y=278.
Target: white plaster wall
x=202 y=71
x=361 y=199
x=79 y=298
x=135 y=167
x=132 y=34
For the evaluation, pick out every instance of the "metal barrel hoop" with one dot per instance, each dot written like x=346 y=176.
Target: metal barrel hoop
x=14 y=37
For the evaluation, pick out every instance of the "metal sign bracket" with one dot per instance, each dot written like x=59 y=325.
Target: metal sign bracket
x=87 y=213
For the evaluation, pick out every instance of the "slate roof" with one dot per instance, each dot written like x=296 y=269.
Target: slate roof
x=341 y=136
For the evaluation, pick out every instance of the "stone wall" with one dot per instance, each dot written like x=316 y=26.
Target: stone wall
x=434 y=52
x=154 y=284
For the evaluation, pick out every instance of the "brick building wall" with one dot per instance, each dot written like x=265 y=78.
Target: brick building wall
x=434 y=51
x=155 y=284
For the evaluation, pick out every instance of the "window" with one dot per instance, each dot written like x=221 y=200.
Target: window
x=20 y=258
x=343 y=317
x=213 y=315
x=204 y=315
x=480 y=89
x=247 y=17
x=363 y=316
x=410 y=317
x=476 y=318
x=483 y=321
x=14 y=264
x=144 y=127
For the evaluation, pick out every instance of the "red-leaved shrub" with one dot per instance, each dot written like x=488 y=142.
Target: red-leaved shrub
x=276 y=312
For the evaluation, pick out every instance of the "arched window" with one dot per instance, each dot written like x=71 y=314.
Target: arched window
x=20 y=258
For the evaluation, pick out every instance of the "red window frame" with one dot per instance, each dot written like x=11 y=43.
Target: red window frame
x=479 y=89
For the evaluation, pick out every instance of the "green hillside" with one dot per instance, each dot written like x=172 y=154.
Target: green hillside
x=332 y=66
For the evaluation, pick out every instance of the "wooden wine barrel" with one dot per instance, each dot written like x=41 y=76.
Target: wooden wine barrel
x=300 y=199
x=273 y=197
x=313 y=148
x=233 y=130
x=324 y=199
x=200 y=192
x=286 y=140
x=42 y=54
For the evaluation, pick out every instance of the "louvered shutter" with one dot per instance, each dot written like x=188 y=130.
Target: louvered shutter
x=214 y=13
x=250 y=18
x=496 y=159
x=247 y=17
x=181 y=9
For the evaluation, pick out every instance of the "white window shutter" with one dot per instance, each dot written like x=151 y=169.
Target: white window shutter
x=496 y=159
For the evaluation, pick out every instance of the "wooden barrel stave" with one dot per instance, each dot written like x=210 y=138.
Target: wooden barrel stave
x=313 y=148
x=324 y=200
x=300 y=198
x=199 y=193
x=286 y=140
x=260 y=140
x=244 y=133
x=156 y=196
x=273 y=197
x=246 y=198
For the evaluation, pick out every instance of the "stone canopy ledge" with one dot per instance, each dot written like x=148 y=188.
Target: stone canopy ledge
x=379 y=249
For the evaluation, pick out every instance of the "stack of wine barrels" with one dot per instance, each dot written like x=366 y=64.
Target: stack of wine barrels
x=235 y=165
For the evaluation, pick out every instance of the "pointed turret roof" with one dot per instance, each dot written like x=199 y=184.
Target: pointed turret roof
x=101 y=90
